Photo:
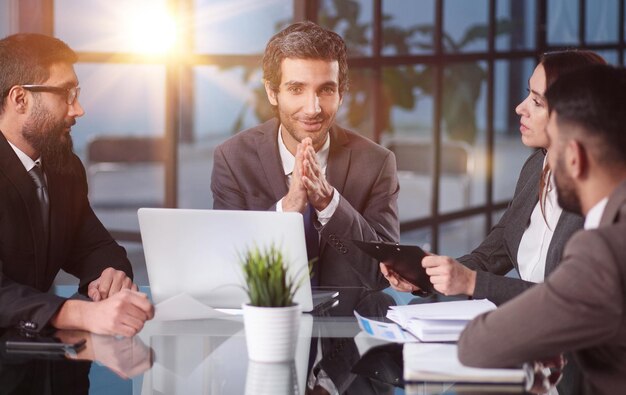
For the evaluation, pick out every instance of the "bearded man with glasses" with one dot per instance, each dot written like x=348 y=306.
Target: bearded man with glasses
x=46 y=221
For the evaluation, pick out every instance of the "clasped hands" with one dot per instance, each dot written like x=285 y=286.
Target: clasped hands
x=308 y=182
x=126 y=356
x=546 y=374
x=448 y=276
x=119 y=308
x=109 y=283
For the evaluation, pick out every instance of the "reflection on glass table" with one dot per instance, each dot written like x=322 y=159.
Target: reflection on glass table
x=39 y=370
x=209 y=356
x=125 y=356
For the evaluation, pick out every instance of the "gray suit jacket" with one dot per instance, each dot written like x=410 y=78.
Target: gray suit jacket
x=580 y=308
x=248 y=175
x=497 y=254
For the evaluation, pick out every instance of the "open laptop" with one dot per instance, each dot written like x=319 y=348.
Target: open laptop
x=197 y=252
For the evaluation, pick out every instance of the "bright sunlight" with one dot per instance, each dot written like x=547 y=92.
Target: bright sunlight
x=152 y=31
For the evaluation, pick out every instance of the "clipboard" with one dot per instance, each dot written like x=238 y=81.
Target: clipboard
x=406 y=260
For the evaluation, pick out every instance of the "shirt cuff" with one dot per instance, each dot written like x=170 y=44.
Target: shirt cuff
x=325 y=215
x=325 y=382
x=279 y=206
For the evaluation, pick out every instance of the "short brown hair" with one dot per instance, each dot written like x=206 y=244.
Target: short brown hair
x=26 y=58
x=304 y=40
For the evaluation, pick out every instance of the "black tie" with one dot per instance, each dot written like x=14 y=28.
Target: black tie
x=36 y=174
x=312 y=242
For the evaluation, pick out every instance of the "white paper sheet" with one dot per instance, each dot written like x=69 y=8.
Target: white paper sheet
x=439 y=362
x=185 y=307
x=384 y=330
x=438 y=322
x=457 y=310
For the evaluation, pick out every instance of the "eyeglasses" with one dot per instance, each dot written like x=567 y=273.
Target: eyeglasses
x=71 y=94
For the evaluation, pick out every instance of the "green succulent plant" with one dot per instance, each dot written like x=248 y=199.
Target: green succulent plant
x=267 y=282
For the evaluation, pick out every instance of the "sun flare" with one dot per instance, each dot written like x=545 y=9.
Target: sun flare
x=152 y=31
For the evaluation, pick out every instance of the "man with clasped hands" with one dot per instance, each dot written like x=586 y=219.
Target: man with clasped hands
x=345 y=185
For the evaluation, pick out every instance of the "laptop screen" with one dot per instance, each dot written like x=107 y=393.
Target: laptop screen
x=198 y=251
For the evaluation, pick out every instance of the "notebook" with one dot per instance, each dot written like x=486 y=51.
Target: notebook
x=438 y=322
x=439 y=363
x=196 y=252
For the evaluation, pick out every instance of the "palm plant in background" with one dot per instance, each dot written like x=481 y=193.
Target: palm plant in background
x=404 y=86
x=401 y=86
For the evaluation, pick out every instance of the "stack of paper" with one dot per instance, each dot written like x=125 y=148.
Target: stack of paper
x=439 y=363
x=438 y=322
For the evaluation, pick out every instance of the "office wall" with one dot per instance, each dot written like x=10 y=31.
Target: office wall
x=5 y=18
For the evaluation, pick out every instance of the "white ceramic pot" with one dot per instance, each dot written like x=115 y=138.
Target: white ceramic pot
x=278 y=378
x=271 y=332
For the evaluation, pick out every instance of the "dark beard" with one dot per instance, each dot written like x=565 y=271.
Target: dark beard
x=566 y=191
x=49 y=139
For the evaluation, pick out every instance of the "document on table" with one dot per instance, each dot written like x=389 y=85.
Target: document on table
x=439 y=363
x=438 y=322
x=384 y=330
x=185 y=307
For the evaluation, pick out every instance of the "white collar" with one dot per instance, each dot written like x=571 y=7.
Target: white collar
x=593 y=217
x=289 y=160
x=26 y=160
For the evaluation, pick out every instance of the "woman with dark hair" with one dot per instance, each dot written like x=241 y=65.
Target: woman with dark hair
x=531 y=234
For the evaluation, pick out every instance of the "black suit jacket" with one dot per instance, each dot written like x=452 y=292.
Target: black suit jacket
x=497 y=254
x=78 y=242
x=248 y=175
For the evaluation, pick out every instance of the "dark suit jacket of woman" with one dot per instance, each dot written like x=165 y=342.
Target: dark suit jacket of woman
x=497 y=254
x=77 y=241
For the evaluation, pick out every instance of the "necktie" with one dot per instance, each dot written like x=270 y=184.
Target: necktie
x=312 y=242
x=36 y=174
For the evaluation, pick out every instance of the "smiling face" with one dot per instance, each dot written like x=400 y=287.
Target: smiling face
x=307 y=100
x=533 y=111
x=47 y=129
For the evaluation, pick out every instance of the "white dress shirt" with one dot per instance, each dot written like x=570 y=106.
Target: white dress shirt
x=592 y=219
x=26 y=160
x=533 y=248
x=289 y=160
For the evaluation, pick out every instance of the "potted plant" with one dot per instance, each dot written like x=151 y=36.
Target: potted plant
x=271 y=378
x=271 y=318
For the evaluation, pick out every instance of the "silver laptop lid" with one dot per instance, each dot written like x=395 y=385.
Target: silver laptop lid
x=197 y=251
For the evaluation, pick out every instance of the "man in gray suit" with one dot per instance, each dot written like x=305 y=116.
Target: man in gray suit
x=582 y=305
x=345 y=185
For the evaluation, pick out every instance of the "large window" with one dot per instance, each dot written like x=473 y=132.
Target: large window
x=437 y=81
x=445 y=77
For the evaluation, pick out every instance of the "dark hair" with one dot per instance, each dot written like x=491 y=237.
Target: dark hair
x=304 y=40
x=560 y=62
x=26 y=58
x=593 y=99
x=555 y=64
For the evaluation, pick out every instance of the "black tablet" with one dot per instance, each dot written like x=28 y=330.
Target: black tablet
x=41 y=345
x=406 y=260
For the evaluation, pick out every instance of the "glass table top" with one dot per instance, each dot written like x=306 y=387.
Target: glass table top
x=209 y=356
